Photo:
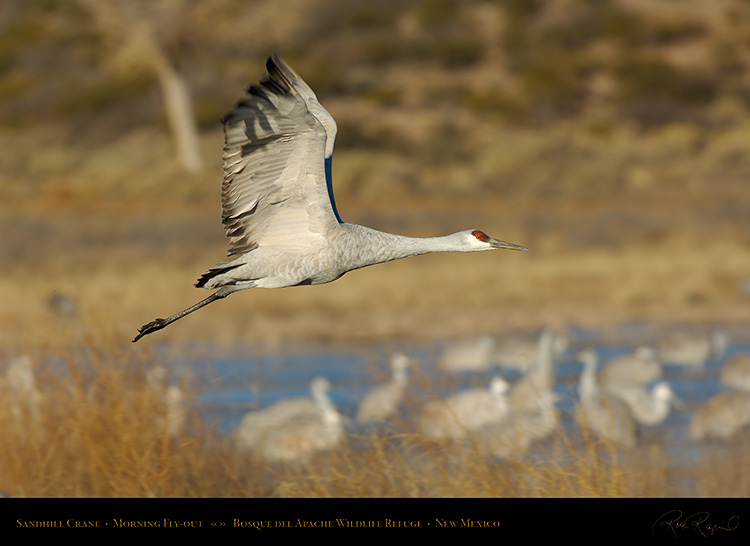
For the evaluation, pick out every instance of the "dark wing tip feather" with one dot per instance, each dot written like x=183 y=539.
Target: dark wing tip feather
x=278 y=80
x=278 y=76
x=256 y=91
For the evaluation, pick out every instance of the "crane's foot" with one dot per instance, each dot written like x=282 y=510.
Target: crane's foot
x=153 y=326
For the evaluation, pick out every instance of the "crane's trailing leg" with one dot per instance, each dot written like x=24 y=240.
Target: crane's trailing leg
x=158 y=324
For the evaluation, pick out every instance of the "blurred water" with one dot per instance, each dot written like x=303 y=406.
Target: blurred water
x=240 y=384
x=237 y=385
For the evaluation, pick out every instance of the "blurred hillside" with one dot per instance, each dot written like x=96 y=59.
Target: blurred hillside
x=445 y=95
x=562 y=125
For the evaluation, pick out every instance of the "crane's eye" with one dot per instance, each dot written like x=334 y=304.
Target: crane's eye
x=481 y=235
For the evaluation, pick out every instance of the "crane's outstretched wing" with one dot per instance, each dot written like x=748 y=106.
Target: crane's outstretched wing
x=278 y=146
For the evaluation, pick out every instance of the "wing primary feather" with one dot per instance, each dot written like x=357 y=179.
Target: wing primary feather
x=276 y=152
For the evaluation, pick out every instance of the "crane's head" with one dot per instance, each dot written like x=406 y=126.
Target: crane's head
x=663 y=391
x=499 y=387
x=479 y=240
x=589 y=357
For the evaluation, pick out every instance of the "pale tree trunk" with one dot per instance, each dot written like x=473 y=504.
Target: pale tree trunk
x=129 y=29
x=180 y=115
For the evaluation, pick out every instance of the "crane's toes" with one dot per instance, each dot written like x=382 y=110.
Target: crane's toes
x=153 y=326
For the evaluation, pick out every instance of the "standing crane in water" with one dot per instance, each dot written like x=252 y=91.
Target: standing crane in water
x=277 y=200
x=607 y=416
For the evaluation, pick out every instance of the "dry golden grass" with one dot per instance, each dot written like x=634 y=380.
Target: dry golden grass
x=98 y=430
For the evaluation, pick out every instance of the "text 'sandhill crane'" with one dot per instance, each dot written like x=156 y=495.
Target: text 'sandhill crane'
x=277 y=200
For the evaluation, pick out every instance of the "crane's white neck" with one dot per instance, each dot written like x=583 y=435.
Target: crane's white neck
x=719 y=343
x=587 y=386
x=399 y=364
x=499 y=395
x=660 y=409
x=319 y=390
x=399 y=377
x=544 y=355
x=369 y=246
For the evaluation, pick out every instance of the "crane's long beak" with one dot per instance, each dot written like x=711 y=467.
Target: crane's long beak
x=496 y=243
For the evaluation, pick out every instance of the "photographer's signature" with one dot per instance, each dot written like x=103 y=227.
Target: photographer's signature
x=697 y=522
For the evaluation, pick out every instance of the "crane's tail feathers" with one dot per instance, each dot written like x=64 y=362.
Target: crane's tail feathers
x=204 y=280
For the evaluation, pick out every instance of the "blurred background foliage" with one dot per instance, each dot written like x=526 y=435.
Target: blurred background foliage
x=558 y=124
x=435 y=82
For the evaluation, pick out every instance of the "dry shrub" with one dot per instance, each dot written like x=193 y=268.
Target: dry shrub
x=102 y=426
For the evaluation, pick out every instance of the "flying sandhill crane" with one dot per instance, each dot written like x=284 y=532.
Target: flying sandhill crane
x=277 y=200
x=607 y=416
x=736 y=372
x=692 y=350
x=292 y=429
x=465 y=412
x=383 y=401
x=723 y=416
x=635 y=369
x=649 y=407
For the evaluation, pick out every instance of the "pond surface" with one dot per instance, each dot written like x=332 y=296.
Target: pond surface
x=237 y=385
